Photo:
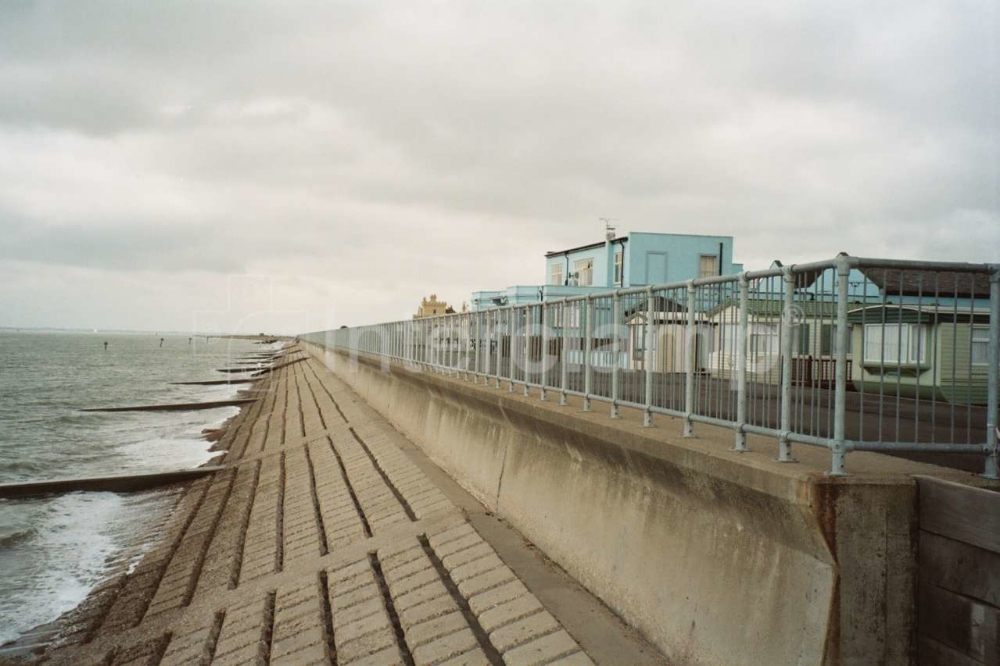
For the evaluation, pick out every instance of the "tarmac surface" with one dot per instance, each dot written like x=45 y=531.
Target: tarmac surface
x=328 y=538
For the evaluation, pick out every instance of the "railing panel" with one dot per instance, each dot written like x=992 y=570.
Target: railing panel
x=851 y=354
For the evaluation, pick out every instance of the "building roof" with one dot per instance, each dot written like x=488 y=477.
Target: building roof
x=911 y=282
x=660 y=304
x=911 y=314
x=773 y=307
x=591 y=246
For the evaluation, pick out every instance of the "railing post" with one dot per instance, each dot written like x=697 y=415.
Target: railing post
x=564 y=346
x=510 y=346
x=993 y=396
x=647 y=359
x=420 y=331
x=464 y=342
x=545 y=349
x=476 y=345
x=491 y=317
x=488 y=343
x=741 y=364
x=436 y=350
x=503 y=323
x=527 y=347
x=588 y=366
x=446 y=356
x=615 y=352
x=788 y=313
x=839 y=449
x=467 y=336
x=442 y=356
x=498 y=331
x=449 y=352
x=689 y=361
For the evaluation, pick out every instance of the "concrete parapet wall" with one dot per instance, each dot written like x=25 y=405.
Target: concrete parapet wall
x=717 y=558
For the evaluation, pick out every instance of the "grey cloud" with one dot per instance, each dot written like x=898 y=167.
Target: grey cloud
x=394 y=149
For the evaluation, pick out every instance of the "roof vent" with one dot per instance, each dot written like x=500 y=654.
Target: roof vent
x=609 y=231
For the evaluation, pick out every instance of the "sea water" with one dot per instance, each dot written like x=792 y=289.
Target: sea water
x=54 y=550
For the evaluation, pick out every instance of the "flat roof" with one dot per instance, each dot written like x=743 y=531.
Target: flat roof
x=624 y=239
x=621 y=239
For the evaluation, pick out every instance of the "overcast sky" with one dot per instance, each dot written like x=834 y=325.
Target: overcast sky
x=294 y=165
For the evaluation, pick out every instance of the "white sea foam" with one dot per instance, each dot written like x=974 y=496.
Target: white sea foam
x=54 y=550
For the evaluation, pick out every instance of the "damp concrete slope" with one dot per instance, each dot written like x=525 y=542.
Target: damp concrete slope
x=327 y=538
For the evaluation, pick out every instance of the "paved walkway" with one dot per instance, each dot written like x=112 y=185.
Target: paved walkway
x=327 y=540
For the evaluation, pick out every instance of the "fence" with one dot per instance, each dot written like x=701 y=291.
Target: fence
x=849 y=354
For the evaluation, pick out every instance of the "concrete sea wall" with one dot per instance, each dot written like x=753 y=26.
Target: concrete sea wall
x=716 y=558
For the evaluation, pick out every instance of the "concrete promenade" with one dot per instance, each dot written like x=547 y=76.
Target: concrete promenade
x=716 y=556
x=329 y=539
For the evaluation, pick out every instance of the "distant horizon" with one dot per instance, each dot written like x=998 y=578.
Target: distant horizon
x=61 y=329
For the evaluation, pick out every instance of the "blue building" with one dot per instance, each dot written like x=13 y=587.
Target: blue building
x=633 y=260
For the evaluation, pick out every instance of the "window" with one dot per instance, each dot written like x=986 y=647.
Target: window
x=763 y=339
x=801 y=339
x=980 y=345
x=895 y=343
x=619 y=267
x=556 y=276
x=708 y=266
x=828 y=341
x=584 y=269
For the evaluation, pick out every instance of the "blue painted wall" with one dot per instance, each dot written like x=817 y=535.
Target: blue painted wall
x=680 y=253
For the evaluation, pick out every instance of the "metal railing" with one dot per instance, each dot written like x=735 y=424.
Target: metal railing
x=849 y=354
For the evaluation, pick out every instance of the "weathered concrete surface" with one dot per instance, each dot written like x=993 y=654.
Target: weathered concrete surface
x=717 y=557
x=328 y=539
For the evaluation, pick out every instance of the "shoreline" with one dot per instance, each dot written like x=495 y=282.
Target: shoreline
x=30 y=644
x=294 y=553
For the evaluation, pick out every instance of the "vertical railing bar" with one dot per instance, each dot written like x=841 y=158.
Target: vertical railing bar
x=564 y=352
x=526 y=347
x=544 y=308
x=935 y=359
x=954 y=353
x=920 y=354
x=993 y=378
x=815 y=391
x=899 y=355
x=839 y=451
x=784 y=446
x=862 y=380
x=689 y=360
x=588 y=366
x=476 y=345
x=615 y=350
x=510 y=348
x=968 y=384
x=881 y=363
x=647 y=417
x=713 y=406
x=741 y=361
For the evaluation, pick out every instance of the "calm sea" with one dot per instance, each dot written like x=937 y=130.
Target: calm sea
x=54 y=550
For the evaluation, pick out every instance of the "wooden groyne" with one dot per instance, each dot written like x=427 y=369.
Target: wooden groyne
x=176 y=407
x=112 y=484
